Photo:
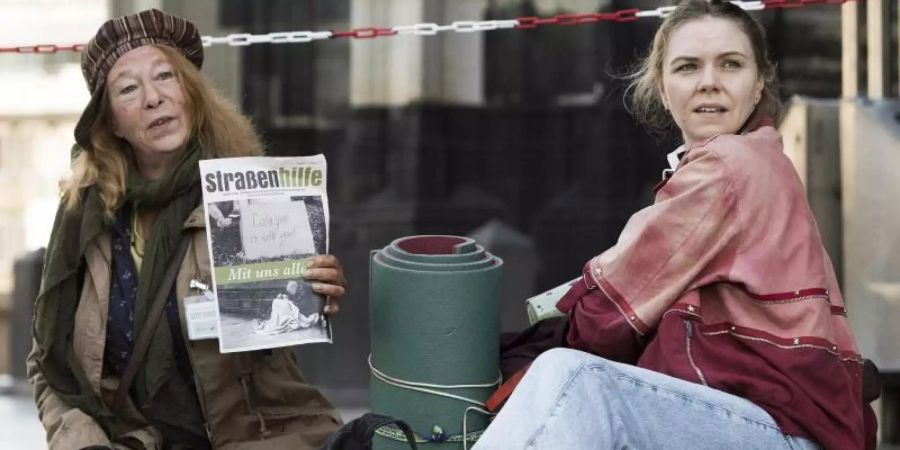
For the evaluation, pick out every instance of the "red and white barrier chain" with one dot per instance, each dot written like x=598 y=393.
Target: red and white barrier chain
x=430 y=29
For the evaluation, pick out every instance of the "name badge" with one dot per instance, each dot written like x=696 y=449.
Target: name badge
x=202 y=313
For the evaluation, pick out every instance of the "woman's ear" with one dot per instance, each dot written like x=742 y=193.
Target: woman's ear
x=760 y=85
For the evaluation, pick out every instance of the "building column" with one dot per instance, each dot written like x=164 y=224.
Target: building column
x=404 y=69
x=876 y=37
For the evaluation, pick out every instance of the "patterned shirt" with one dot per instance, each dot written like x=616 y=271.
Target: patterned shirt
x=122 y=294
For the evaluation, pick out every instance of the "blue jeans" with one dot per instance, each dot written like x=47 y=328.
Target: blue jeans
x=574 y=400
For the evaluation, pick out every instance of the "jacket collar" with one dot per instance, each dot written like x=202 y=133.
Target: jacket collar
x=682 y=153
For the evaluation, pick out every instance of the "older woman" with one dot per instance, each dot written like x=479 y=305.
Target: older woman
x=130 y=211
x=716 y=320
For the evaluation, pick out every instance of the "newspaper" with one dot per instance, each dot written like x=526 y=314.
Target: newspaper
x=265 y=216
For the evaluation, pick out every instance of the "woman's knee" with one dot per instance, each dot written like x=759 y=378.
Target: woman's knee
x=563 y=360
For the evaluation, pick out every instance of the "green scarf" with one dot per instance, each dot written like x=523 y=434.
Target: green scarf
x=174 y=197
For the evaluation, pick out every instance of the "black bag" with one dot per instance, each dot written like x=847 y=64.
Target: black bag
x=357 y=434
x=519 y=349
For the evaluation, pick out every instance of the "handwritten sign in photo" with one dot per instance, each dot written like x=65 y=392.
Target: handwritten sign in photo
x=273 y=230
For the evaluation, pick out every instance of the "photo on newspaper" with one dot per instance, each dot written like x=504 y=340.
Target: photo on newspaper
x=265 y=217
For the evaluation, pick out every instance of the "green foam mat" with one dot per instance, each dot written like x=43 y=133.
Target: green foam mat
x=435 y=321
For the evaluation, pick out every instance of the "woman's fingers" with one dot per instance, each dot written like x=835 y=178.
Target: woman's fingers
x=333 y=276
x=327 y=278
x=325 y=268
x=331 y=290
x=323 y=261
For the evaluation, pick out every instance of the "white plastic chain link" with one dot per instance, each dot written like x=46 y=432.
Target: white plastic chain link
x=468 y=26
x=420 y=29
x=287 y=37
x=747 y=5
x=661 y=12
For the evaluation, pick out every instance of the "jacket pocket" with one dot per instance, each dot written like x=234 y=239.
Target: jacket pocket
x=274 y=386
x=280 y=400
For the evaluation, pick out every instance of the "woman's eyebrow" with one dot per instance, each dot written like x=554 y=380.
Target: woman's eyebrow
x=128 y=73
x=121 y=74
x=688 y=58
x=678 y=59
x=732 y=53
x=158 y=60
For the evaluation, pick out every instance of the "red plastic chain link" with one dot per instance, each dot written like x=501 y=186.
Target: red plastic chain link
x=533 y=22
x=785 y=4
x=43 y=48
x=364 y=33
x=625 y=15
x=574 y=19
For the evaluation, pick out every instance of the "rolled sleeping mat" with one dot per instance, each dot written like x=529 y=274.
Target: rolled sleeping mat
x=435 y=338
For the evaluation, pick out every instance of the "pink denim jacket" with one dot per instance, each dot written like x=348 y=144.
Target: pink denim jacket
x=724 y=281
